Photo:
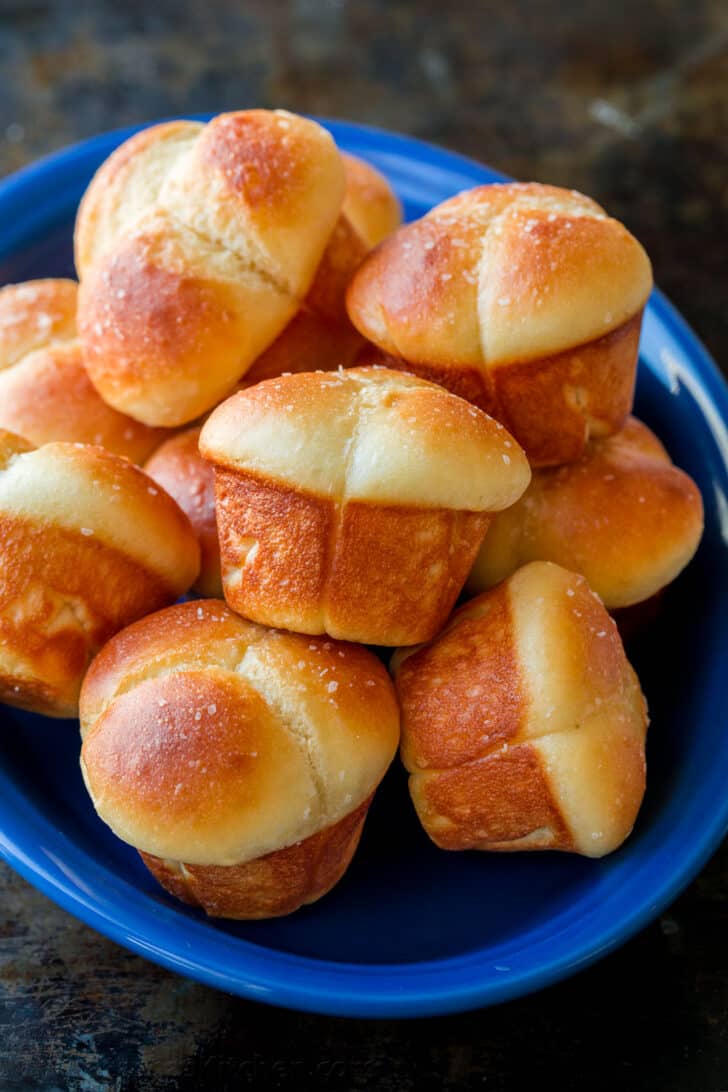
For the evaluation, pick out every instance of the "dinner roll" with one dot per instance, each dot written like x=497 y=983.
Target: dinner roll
x=190 y=480
x=45 y=392
x=523 y=724
x=622 y=515
x=239 y=761
x=354 y=502
x=195 y=245
x=525 y=299
x=88 y=543
x=370 y=203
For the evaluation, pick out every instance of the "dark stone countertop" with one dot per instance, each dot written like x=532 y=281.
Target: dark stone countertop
x=627 y=102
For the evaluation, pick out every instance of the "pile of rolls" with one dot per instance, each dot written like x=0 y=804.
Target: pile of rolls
x=366 y=447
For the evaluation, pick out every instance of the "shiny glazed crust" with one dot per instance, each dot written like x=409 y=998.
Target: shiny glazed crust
x=523 y=723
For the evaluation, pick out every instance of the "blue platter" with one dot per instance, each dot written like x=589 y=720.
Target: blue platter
x=411 y=930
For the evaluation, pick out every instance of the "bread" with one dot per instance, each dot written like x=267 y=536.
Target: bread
x=195 y=246
x=622 y=515
x=45 y=393
x=523 y=724
x=370 y=204
x=321 y=337
x=239 y=761
x=190 y=480
x=353 y=503
x=87 y=544
x=525 y=299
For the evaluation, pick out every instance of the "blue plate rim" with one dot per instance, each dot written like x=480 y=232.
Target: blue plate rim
x=323 y=986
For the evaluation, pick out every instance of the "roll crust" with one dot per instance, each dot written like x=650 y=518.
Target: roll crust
x=321 y=337
x=45 y=392
x=523 y=723
x=88 y=544
x=269 y=886
x=622 y=515
x=516 y=296
x=240 y=761
x=190 y=480
x=367 y=532
x=196 y=246
x=370 y=203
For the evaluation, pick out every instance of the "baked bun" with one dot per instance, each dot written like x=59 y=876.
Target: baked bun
x=370 y=204
x=353 y=503
x=525 y=299
x=88 y=544
x=523 y=724
x=195 y=246
x=622 y=515
x=239 y=761
x=321 y=337
x=190 y=480
x=45 y=392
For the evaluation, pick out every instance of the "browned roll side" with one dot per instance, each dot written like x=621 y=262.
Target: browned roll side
x=88 y=543
x=523 y=724
x=526 y=299
x=354 y=503
x=45 y=391
x=270 y=886
x=370 y=204
x=190 y=480
x=240 y=761
x=622 y=515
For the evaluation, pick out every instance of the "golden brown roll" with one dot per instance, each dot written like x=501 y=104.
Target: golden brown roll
x=88 y=543
x=622 y=515
x=195 y=246
x=523 y=724
x=190 y=480
x=45 y=392
x=353 y=503
x=239 y=761
x=525 y=299
x=370 y=203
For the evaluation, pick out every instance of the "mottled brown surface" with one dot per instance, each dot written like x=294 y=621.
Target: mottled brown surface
x=624 y=102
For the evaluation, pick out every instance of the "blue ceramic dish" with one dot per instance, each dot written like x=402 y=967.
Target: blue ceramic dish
x=410 y=929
